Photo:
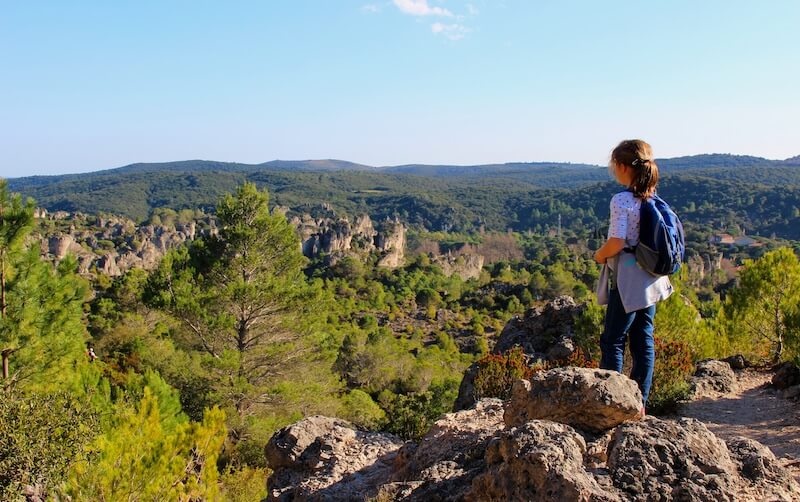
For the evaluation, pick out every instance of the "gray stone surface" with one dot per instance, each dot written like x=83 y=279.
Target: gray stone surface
x=712 y=377
x=589 y=399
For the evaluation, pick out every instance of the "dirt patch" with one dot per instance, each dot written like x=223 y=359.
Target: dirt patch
x=754 y=411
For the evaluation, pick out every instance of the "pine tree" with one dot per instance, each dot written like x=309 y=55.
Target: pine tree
x=140 y=459
x=766 y=301
x=42 y=330
x=243 y=296
x=16 y=221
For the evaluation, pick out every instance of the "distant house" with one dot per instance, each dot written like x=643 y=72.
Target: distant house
x=744 y=241
x=729 y=240
x=722 y=239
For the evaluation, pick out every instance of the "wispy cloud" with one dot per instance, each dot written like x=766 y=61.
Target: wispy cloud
x=473 y=11
x=451 y=31
x=371 y=8
x=421 y=8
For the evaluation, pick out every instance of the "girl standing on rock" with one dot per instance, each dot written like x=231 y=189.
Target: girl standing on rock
x=629 y=291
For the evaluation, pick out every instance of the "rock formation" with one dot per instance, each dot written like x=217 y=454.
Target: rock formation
x=467 y=266
x=712 y=377
x=592 y=400
x=544 y=333
x=113 y=245
x=337 y=238
x=497 y=452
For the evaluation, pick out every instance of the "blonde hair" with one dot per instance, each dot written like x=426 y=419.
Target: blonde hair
x=638 y=156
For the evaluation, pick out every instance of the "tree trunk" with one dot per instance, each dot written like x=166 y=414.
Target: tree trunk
x=2 y=284
x=6 y=353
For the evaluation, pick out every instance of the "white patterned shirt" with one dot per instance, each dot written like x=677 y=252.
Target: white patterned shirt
x=624 y=224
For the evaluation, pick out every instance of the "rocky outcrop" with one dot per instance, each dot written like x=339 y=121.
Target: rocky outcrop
x=321 y=458
x=592 y=400
x=712 y=377
x=493 y=453
x=339 y=237
x=737 y=362
x=537 y=461
x=450 y=454
x=544 y=333
x=787 y=375
x=113 y=245
x=467 y=266
x=391 y=243
x=682 y=460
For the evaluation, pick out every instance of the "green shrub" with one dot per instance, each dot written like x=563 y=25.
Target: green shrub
x=673 y=367
x=359 y=408
x=41 y=436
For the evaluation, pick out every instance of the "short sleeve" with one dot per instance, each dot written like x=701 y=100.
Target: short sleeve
x=618 y=226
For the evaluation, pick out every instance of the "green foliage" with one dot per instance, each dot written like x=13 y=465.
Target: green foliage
x=41 y=435
x=42 y=330
x=359 y=408
x=413 y=414
x=677 y=319
x=762 y=310
x=244 y=485
x=673 y=367
x=248 y=309
x=163 y=465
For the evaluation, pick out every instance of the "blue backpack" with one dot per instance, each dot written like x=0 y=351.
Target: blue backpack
x=661 y=248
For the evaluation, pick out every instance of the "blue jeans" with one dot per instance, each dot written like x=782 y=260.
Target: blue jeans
x=637 y=327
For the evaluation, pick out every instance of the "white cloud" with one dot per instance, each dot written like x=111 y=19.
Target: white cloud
x=473 y=11
x=451 y=31
x=421 y=8
x=371 y=8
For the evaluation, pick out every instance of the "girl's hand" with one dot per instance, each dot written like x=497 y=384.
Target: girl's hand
x=599 y=258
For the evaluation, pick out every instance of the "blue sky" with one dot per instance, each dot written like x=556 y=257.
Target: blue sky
x=95 y=85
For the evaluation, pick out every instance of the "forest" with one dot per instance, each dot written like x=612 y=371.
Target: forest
x=166 y=384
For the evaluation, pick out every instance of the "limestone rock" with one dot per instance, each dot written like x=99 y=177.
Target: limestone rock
x=737 y=362
x=589 y=399
x=764 y=477
x=658 y=460
x=450 y=454
x=58 y=245
x=537 y=461
x=392 y=243
x=543 y=332
x=469 y=456
x=466 y=391
x=787 y=375
x=321 y=458
x=467 y=266
x=712 y=377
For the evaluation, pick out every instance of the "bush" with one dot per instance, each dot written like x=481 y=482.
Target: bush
x=673 y=367
x=359 y=408
x=41 y=436
x=498 y=372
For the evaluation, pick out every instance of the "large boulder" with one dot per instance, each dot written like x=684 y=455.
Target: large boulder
x=544 y=332
x=787 y=375
x=658 y=460
x=713 y=377
x=322 y=458
x=590 y=399
x=538 y=461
